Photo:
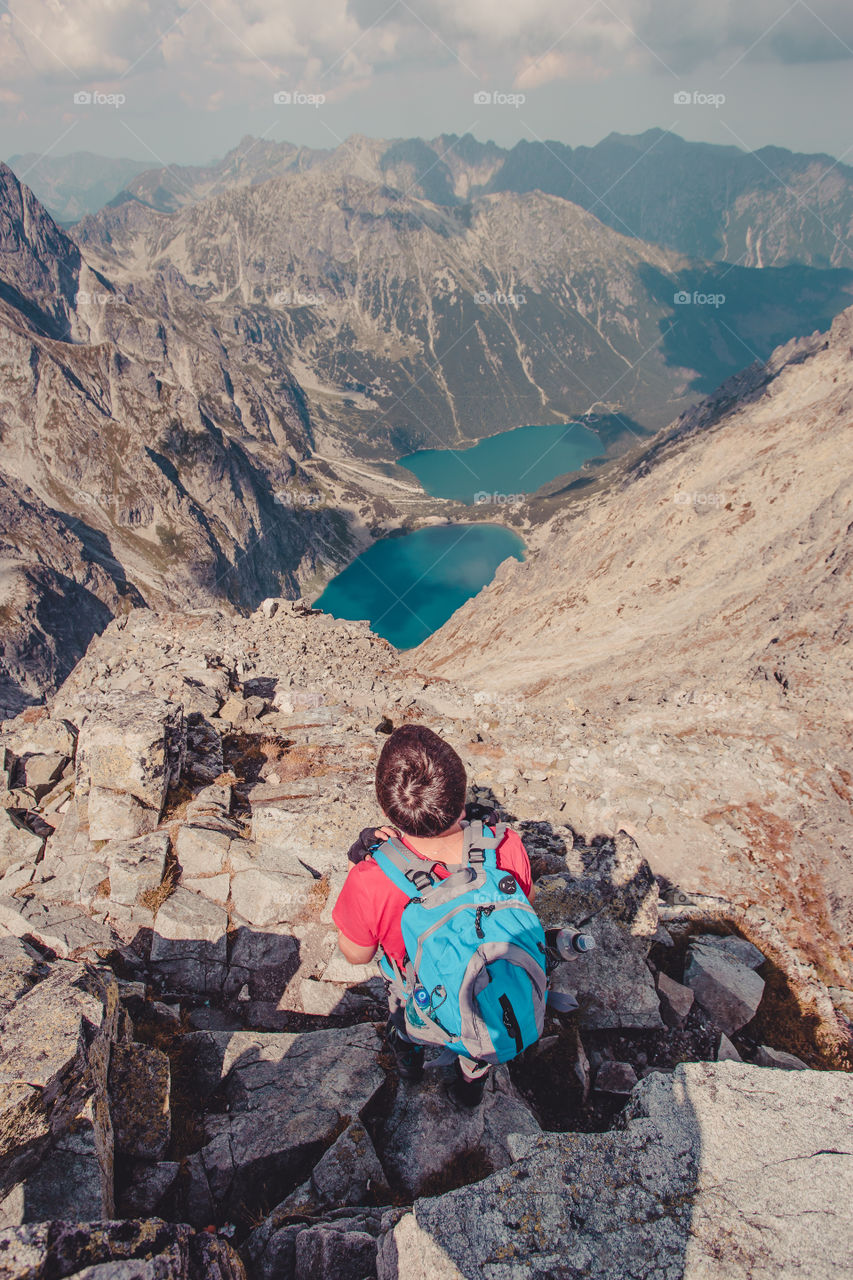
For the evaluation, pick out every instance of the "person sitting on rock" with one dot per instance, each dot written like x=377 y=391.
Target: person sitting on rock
x=420 y=785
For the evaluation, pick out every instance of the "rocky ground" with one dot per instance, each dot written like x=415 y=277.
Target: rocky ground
x=194 y=1084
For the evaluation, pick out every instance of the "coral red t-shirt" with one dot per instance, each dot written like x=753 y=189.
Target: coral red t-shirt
x=369 y=906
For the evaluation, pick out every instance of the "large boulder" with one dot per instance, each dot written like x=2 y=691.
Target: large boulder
x=611 y=887
x=139 y=1086
x=726 y=988
x=17 y=843
x=288 y=1097
x=426 y=1142
x=135 y=867
x=721 y=1169
x=21 y=968
x=130 y=751
x=189 y=947
x=55 y=1047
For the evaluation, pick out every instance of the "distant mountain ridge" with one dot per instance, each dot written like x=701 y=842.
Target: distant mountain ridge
x=71 y=186
x=411 y=323
x=769 y=207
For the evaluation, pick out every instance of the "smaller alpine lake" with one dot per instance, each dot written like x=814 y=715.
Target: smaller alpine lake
x=408 y=586
x=512 y=462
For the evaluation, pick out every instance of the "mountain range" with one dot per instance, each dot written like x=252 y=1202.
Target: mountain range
x=769 y=207
x=411 y=323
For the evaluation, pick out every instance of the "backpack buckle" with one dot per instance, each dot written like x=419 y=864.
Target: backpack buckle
x=420 y=879
x=477 y=857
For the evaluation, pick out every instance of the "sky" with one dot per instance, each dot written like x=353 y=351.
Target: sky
x=181 y=81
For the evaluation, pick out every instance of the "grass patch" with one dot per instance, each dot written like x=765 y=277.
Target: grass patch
x=153 y=899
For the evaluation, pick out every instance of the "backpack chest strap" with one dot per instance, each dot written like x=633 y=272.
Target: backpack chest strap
x=403 y=868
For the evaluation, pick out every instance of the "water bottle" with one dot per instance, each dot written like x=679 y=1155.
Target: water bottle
x=571 y=943
x=422 y=997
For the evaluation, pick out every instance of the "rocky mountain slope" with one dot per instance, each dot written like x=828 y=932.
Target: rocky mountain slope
x=146 y=452
x=193 y=1083
x=689 y=627
x=770 y=207
x=411 y=323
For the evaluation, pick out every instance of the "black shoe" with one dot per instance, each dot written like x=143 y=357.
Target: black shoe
x=464 y=1091
x=409 y=1057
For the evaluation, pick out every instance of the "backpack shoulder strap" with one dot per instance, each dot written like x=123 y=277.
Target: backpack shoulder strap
x=403 y=868
x=481 y=842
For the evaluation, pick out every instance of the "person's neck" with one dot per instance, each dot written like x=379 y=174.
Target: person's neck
x=436 y=846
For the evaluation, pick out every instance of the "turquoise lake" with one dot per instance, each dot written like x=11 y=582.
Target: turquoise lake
x=513 y=462
x=408 y=586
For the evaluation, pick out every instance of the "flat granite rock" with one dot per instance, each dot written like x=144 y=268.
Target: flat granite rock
x=721 y=1169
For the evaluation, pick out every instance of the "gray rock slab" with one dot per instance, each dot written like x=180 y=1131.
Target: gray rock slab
x=188 y=923
x=133 y=743
x=769 y=1057
x=216 y=888
x=327 y=999
x=147 y=1249
x=189 y=945
x=339 y=969
x=41 y=771
x=45 y=736
x=135 y=866
x=288 y=1097
x=307 y=832
x=729 y=991
x=54 y=1054
x=149 y=1184
x=324 y=1251
x=722 y=1169
x=17 y=843
x=113 y=814
x=726 y=1052
x=738 y=948
x=348 y=1174
x=264 y=898
x=263 y=961
x=615 y=1077
x=201 y=851
x=21 y=967
x=676 y=1000
x=139 y=1088
x=612 y=984
x=67 y=930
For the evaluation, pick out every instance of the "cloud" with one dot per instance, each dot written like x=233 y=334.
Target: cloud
x=336 y=45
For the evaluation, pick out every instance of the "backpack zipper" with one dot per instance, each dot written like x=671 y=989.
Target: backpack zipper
x=478 y=919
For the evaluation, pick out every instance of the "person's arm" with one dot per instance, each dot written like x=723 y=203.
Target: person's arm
x=352 y=952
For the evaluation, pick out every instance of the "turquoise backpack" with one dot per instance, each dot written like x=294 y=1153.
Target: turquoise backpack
x=474 y=981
